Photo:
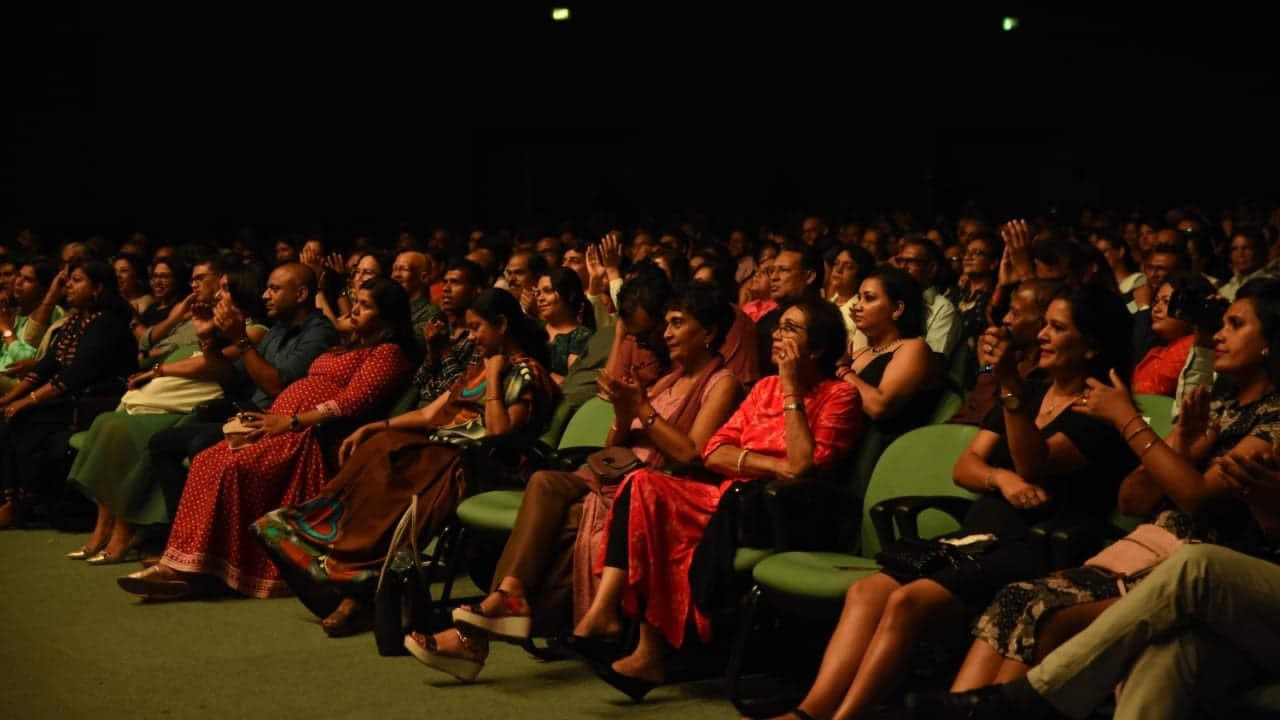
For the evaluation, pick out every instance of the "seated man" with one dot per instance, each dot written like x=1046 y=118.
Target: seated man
x=797 y=271
x=918 y=257
x=411 y=271
x=449 y=347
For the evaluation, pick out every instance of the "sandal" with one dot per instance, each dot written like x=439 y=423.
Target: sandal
x=465 y=664
x=513 y=620
x=349 y=618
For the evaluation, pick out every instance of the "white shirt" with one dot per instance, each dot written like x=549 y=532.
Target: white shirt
x=1232 y=286
x=941 y=324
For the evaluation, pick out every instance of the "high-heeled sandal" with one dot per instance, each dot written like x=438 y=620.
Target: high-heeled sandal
x=423 y=647
x=132 y=552
x=633 y=687
x=85 y=552
x=342 y=623
x=513 y=621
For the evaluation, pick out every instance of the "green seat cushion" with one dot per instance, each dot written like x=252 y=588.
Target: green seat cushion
x=747 y=558
x=821 y=575
x=494 y=510
x=77 y=440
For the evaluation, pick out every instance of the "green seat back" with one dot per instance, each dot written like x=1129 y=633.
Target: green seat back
x=947 y=406
x=77 y=440
x=556 y=425
x=1157 y=407
x=962 y=366
x=919 y=462
x=407 y=402
x=589 y=426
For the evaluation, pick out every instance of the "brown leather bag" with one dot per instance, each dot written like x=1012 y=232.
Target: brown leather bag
x=611 y=464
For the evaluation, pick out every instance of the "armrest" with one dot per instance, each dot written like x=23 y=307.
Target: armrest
x=812 y=512
x=906 y=513
x=1068 y=545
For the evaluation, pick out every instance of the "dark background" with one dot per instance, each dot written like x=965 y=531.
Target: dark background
x=202 y=118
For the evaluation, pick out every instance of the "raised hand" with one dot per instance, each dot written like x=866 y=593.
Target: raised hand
x=1110 y=403
x=1017 y=241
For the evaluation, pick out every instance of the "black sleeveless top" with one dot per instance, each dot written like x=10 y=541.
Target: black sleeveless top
x=916 y=413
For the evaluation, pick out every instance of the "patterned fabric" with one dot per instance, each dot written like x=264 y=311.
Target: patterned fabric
x=227 y=490
x=437 y=376
x=563 y=345
x=337 y=539
x=1010 y=623
x=668 y=514
x=67 y=344
x=756 y=309
x=1157 y=373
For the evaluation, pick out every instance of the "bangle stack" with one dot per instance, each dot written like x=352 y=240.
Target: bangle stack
x=742 y=456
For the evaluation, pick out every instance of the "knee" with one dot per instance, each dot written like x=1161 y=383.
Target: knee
x=540 y=484
x=905 y=606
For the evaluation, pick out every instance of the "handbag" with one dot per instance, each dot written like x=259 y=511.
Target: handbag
x=1137 y=553
x=611 y=464
x=239 y=435
x=918 y=558
x=403 y=596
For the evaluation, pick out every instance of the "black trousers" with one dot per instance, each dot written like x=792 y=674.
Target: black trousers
x=33 y=446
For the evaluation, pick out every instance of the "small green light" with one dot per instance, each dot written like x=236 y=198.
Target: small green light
x=1009 y=24
x=559 y=14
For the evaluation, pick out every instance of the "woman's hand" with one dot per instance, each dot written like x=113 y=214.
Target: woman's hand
x=139 y=379
x=1193 y=417
x=15 y=407
x=494 y=365
x=349 y=445
x=611 y=253
x=529 y=301
x=996 y=351
x=597 y=275
x=787 y=356
x=182 y=310
x=229 y=321
x=268 y=424
x=1109 y=403
x=1020 y=493
x=58 y=286
x=628 y=397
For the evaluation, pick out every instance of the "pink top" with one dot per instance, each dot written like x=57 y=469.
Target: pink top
x=666 y=403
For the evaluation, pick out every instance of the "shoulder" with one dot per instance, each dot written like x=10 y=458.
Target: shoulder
x=913 y=350
x=767 y=387
x=837 y=390
x=721 y=380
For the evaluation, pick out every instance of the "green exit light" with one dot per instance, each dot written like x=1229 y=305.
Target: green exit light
x=1009 y=24
x=559 y=14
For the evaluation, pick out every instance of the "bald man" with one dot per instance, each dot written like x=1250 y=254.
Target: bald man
x=412 y=270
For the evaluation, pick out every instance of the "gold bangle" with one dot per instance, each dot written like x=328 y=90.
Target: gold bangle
x=742 y=456
x=1138 y=432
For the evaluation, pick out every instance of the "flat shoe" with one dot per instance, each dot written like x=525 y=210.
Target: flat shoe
x=106 y=558
x=153 y=584
x=85 y=552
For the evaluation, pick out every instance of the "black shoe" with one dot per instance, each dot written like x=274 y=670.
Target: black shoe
x=593 y=650
x=633 y=687
x=981 y=704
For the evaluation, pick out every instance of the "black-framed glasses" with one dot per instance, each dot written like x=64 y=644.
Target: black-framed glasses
x=786 y=327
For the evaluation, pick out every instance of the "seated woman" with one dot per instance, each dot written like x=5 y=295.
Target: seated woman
x=18 y=346
x=1026 y=620
x=169 y=281
x=1200 y=625
x=789 y=425
x=131 y=281
x=850 y=267
x=91 y=349
x=1158 y=371
x=670 y=421
x=896 y=374
x=329 y=545
x=569 y=319
x=285 y=461
x=755 y=299
x=112 y=469
x=740 y=349
x=1035 y=459
x=981 y=260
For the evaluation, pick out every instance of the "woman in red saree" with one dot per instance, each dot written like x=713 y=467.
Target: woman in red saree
x=227 y=489
x=800 y=420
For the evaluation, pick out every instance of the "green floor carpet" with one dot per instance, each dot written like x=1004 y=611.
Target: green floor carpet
x=75 y=646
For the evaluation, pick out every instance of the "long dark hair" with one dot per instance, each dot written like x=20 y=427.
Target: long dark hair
x=139 y=270
x=181 y=278
x=568 y=286
x=104 y=276
x=1099 y=313
x=1264 y=295
x=495 y=305
x=900 y=287
x=397 y=321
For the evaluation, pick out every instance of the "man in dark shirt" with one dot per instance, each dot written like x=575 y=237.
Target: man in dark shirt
x=297 y=336
x=449 y=346
x=796 y=272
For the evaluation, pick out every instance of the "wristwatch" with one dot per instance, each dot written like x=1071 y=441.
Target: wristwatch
x=243 y=344
x=1011 y=402
x=294 y=424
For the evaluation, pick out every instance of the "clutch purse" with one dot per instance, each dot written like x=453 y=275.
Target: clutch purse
x=611 y=464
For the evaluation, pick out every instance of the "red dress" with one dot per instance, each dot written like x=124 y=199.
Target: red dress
x=1157 y=373
x=226 y=491
x=669 y=514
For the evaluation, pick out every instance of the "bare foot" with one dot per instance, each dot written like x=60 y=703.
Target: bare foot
x=592 y=626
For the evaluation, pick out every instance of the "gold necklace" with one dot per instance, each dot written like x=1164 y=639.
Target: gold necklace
x=892 y=345
x=1054 y=406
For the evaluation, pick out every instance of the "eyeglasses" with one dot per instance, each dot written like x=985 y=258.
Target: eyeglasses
x=787 y=327
x=976 y=253
x=161 y=276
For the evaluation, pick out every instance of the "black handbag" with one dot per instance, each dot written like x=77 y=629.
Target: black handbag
x=402 y=600
x=918 y=558
x=612 y=464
